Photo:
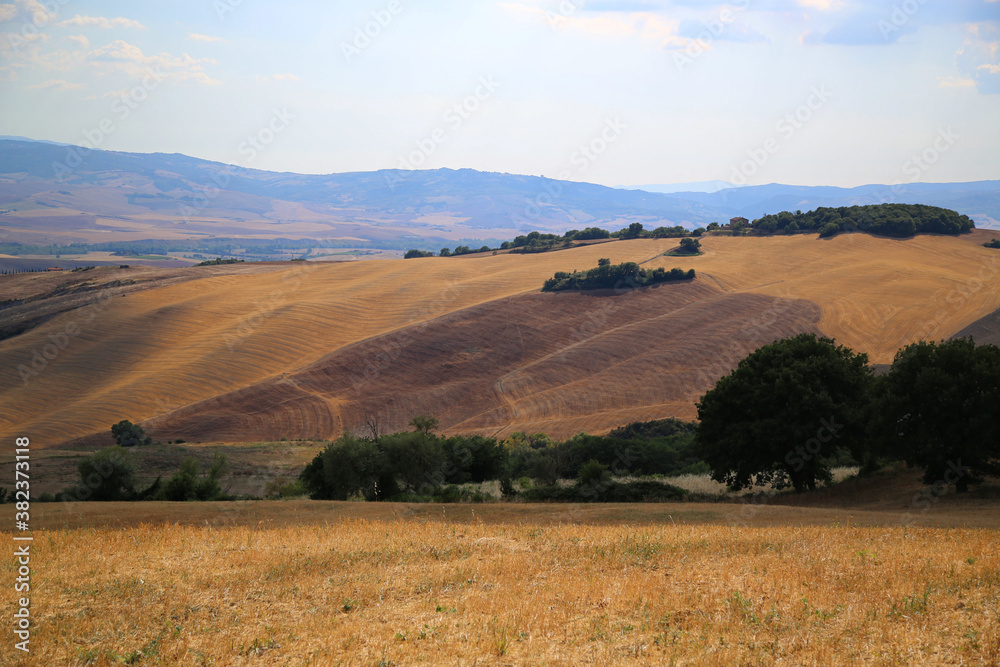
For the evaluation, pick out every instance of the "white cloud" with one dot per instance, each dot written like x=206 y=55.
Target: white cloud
x=7 y=12
x=55 y=84
x=822 y=5
x=955 y=82
x=81 y=40
x=101 y=22
x=613 y=25
x=195 y=37
x=979 y=57
x=31 y=11
x=277 y=77
x=120 y=56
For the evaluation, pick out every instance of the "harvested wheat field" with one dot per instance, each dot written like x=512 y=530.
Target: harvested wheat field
x=562 y=590
x=306 y=350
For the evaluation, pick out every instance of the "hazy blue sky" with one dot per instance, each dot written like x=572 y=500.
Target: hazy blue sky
x=812 y=92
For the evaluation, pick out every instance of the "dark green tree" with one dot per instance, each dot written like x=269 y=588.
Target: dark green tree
x=690 y=245
x=424 y=424
x=108 y=474
x=189 y=484
x=782 y=412
x=127 y=434
x=633 y=231
x=347 y=467
x=937 y=409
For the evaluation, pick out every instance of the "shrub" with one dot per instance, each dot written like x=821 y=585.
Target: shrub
x=410 y=254
x=646 y=491
x=127 y=434
x=108 y=474
x=593 y=472
x=829 y=229
x=187 y=484
x=689 y=246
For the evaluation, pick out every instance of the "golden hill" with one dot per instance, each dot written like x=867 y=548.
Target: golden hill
x=308 y=350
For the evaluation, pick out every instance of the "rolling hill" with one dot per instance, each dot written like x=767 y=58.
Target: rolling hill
x=297 y=350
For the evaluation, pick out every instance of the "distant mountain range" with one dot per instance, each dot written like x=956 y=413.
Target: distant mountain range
x=45 y=187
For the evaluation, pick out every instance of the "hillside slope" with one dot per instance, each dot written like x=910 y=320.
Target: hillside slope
x=287 y=351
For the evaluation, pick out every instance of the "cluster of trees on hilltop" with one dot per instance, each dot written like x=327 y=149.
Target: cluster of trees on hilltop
x=897 y=220
x=605 y=276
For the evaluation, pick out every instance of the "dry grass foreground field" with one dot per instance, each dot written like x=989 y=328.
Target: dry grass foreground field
x=301 y=583
x=309 y=348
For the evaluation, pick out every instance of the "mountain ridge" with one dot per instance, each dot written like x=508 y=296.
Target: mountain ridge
x=171 y=195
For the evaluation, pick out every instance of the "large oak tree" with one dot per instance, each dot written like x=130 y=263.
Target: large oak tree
x=783 y=412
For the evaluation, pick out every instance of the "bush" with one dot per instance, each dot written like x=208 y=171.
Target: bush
x=281 y=488
x=107 y=475
x=689 y=246
x=593 y=472
x=642 y=491
x=828 y=230
x=187 y=484
x=127 y=434
x=413 y=463
x=993 y=243
x=410 y=254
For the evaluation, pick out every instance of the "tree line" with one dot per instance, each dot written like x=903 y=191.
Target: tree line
x=535 y=242
x=788 y=414
x=784 y=417
x=420 y=465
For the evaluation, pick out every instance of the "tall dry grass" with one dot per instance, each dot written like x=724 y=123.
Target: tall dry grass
x=361 y=592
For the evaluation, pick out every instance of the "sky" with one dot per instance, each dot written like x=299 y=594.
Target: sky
x=805 y=92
